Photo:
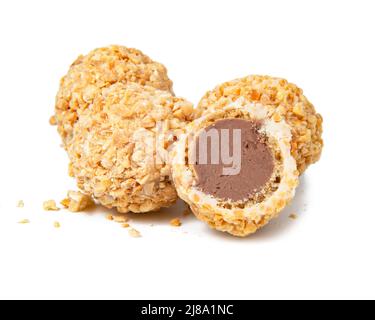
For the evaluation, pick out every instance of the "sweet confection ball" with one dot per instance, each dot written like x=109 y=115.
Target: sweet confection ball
x=239 y=162
x=101 y=68
x=120 y=147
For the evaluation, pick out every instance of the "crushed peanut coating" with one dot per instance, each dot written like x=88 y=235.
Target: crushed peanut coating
x=77 y=201
x=101 y=68
x=116 y=155
x=50 y=205
x=53 y=121
x=284 y=101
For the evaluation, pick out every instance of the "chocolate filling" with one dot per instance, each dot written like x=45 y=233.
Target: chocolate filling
x=250 y=168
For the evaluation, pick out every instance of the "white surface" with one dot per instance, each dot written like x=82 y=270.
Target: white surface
x=326 y=47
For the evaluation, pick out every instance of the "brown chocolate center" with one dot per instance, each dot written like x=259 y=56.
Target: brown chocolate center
x=232 y=160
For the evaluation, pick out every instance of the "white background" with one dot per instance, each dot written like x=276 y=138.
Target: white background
x=326 y=47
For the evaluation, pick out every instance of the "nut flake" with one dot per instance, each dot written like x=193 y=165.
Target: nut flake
x=176 y=223
x=50 y=205
x=293 y=216
x=56 y=225
x=24 y=221
x=20 y=204
x=120 y=219
x=134 y=233
x=77 y=201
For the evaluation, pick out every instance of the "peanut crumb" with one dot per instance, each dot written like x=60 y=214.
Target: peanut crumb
x=65 y=203
x=77 y=201
x=109 y=217
x=293 y=216
x=135 y=233
x=20 y=204
x=50 y=205
x=126 y=225
x=53 y=121
x=57 y=224
x=24 y=221
x=121 y=219
x=176 y=223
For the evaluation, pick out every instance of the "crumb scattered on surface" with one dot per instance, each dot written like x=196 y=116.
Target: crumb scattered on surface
x=57 y=224
x=24 y=221
x=109 y=217
x=126 y=225
x=176 y=223
x=134 y=233
x=50 y=205
x=120 y=219
x=65 y=203
x=53 y=121
x=20 y=204
x=293 y=216
x=77 y=201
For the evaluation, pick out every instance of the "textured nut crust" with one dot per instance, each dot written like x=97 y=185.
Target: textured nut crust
x=284 y=101
x=245 y=218
x=101 y=68
x=110 y=151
